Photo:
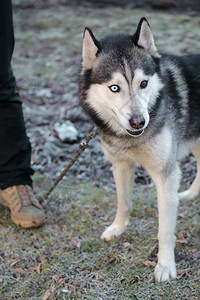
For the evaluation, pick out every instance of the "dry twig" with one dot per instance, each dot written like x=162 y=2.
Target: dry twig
x=81 y=148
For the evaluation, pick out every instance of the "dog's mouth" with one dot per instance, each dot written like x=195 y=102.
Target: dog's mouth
x=135 y=133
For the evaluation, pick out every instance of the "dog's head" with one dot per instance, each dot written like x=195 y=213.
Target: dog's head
x=119 y=79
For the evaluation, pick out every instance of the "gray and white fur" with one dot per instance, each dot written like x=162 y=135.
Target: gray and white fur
x=147 y=108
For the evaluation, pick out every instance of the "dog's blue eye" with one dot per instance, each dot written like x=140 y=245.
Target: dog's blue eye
x=144 y=84
x=114 y=88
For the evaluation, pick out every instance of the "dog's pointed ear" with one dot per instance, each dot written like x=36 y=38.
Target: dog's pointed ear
x=90 y=48
x=144 y=37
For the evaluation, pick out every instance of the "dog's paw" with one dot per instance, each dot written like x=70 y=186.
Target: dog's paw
x=112 y=232
x=164 y=273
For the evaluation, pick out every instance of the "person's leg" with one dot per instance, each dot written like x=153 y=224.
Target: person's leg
x=15 y=149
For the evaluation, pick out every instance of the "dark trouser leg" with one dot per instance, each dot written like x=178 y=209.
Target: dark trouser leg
x=15 y=150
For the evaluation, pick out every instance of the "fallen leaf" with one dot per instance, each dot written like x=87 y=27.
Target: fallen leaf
x=48 y=295
x=183 y=241
x=128 y=245
x=61 y=281
x=70 y=234
x=193 y=250
x=36 y=161
x=148 y=263
x=148 y=210
x=20 y=270
x=38 y=268
x=180 y=272
x=182 y=235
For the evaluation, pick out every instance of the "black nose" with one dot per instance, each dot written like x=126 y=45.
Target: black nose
x=137 y=121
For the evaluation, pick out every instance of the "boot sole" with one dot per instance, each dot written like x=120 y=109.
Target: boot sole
x=25 y=221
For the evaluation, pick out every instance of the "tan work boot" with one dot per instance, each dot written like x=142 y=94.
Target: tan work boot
x=25 y=208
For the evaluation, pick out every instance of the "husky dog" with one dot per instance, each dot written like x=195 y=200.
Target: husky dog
x=147 y=109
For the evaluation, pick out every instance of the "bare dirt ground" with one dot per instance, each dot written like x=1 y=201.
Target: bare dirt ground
x=47 y=61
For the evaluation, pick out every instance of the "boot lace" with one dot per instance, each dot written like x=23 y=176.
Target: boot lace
x=26 y=196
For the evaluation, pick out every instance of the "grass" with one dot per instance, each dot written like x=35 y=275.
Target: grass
x=65 y=259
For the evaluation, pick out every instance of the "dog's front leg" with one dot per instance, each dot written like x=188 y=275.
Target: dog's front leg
x=123 y=174
x=167 y=186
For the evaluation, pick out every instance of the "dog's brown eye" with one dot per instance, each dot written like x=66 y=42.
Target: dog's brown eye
x=144 y=84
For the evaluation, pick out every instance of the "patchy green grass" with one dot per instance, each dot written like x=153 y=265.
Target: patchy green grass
x=65 y=259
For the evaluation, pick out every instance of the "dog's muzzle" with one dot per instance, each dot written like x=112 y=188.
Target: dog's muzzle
x=137 y=122
x=135 y=133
